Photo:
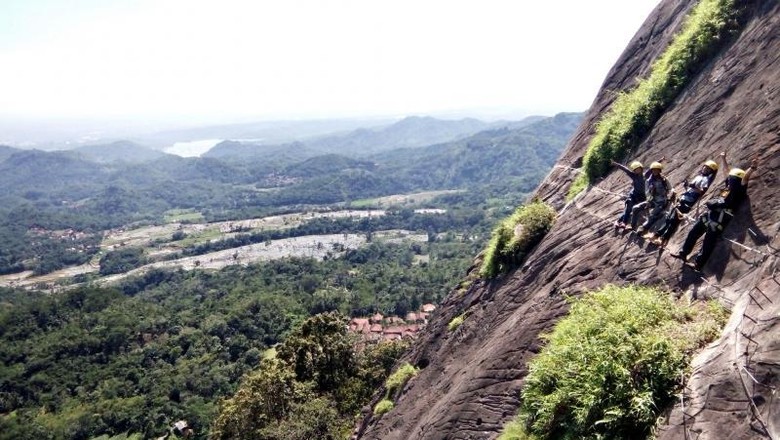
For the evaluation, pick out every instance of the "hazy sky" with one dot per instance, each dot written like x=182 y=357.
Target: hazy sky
x=244 y=59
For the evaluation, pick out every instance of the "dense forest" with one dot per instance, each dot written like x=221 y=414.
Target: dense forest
x=170 y=344
x=137 y=355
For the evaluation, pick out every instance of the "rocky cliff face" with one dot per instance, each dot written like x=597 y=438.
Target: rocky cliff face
x=470 y=379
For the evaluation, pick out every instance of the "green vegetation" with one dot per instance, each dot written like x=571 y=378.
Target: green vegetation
x=515 y=236
x=313 y=389
x=633 y=113
x=515 y=430
x=393 y=385
x=383 y=406
x=455 y=219
x=122 y=260
x=55 y=191
x=168 y=345
x=397 y=380
x=124 y=436
x=612 y=365
x=455 y=323
x=182 y=216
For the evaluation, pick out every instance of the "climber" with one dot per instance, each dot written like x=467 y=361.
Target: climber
x=720 y=212
x=656 y=192
x=637 y=193
x=693 y=192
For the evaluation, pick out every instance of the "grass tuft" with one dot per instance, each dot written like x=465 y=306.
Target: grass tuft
x=515 y=236
x=383 y=406
x=515 y=430
x=397 y=380
x=455 y=323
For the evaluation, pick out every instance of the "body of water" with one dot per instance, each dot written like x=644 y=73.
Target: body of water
x=192 y=148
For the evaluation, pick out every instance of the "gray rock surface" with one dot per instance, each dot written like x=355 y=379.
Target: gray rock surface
x=470 y=380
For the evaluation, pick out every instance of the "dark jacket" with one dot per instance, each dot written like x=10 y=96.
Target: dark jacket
x=637 y=192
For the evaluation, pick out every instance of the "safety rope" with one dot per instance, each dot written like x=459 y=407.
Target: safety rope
x=742 y=366
x=608 y=192
x=576 y=205
x=579 y=170
x=753 y=378
x=682 y=405
x=748 y=247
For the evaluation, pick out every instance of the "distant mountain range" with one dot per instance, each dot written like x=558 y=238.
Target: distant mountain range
x=267 y=132
x=235 y=175
x=410 y=132
x=292 y=141
x=120 y=151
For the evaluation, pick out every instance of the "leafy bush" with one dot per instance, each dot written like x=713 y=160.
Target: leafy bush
x=612 y=364
x=633 y=113
x=396 y=380
x=383 y=406
x=455 y=323
x=515 y=236
x=321 y=351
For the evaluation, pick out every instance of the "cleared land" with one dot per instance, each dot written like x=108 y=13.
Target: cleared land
x=309 y=246
x=403 y=199
x=158 y=242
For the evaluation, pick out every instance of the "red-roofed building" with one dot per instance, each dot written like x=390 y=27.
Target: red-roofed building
x=357 y=324
x=394 y=330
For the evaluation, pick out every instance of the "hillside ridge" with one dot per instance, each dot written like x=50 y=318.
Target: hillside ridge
x=470 y=379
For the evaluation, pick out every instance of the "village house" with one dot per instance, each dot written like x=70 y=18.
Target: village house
x=389 y=328
x=360 y=325
x=393 y=333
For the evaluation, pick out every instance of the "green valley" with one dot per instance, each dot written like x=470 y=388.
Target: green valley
x=135 y=294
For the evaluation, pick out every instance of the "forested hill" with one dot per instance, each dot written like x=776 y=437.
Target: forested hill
x=6 y=151
x=51 y=179
x=500 y=156
x=120 y=151
x=549 y=340
x=237 y=150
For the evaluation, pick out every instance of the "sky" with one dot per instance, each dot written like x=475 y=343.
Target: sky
x=241 y=60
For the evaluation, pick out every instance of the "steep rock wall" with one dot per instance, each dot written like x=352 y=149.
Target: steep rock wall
x=470 y=380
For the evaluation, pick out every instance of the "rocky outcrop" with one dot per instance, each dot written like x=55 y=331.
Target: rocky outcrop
x=470 y=379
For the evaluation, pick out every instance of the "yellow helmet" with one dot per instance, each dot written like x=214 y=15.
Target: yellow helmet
x=711 y=165
x=737 y=172
x=656 y=166
x=634 y=165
